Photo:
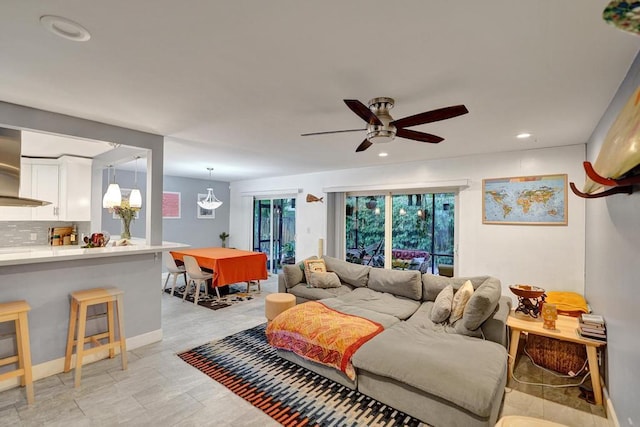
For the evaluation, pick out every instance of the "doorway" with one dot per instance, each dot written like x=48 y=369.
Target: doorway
x=274 y=231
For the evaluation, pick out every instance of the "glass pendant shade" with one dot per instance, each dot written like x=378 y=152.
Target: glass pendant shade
x=135 y=198
x=113 y=197
x=211 y=202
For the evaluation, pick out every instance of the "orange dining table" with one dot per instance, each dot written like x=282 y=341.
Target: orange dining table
x=228 y=265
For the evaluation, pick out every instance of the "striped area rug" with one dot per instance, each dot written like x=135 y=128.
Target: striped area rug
x=290 y=394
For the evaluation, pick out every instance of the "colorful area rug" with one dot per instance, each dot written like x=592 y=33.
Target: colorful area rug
x=290 y=394
x=229 y=295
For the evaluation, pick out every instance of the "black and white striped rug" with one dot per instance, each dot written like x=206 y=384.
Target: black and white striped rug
x=290 y=394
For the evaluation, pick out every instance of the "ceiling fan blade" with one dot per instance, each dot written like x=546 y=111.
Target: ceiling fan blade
x=418 y=136
x=431 y=116
x=364 y=145
x=362 y=111
x=332 y=131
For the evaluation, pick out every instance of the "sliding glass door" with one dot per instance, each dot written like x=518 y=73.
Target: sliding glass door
x=274 y=222
x=419 y=229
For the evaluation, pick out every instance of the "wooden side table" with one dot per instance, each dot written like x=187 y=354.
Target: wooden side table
x=566 y=330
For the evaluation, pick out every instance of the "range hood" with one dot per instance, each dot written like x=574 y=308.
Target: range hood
x=10 y=149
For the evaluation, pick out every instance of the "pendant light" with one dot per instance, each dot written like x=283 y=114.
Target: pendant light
x=210 y=202
x=135 y=198
x=113 y=196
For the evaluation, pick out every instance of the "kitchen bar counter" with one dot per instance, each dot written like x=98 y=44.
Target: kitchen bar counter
x=44 y=276
x=38 y=254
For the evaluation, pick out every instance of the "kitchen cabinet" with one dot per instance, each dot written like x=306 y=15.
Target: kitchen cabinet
x=75 y=189
x=45 y=186
x=65 y=182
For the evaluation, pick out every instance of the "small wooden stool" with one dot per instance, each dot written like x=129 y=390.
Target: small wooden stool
x=80 y=300
x=277 y=303
x=16 y=311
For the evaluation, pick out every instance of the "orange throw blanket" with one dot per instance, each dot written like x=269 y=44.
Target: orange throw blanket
x=321 y=334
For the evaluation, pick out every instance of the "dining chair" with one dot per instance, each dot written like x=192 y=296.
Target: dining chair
x=174 y=271
x=197 y=277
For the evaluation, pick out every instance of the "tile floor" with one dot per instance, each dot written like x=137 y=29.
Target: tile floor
x=159 y=389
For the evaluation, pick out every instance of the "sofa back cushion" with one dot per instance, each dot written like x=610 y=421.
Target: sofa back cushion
x=433 y=285
x=482 y=303
x=354 y=274
x=403 y=283
x=294 y=273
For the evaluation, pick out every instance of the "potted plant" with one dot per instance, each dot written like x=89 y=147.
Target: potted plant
x=223 y=237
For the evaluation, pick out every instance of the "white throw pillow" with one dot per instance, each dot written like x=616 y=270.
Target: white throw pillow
x=460 y=300
x=442 y=305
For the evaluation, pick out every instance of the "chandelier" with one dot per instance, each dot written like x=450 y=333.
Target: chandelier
x=210 y=202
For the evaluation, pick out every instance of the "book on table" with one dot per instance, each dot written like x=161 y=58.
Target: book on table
x=596 y=329
x=592 y=319
x=587 y=335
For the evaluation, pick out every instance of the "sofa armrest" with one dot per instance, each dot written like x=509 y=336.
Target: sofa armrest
x=495 y=327
x=281 y=285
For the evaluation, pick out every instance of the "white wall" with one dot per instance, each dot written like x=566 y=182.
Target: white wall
x=548 y=256
x=612 y=271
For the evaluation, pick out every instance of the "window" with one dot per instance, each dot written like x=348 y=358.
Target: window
x=419 y=226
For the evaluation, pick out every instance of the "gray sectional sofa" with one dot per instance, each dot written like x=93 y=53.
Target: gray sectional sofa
x=443 y=374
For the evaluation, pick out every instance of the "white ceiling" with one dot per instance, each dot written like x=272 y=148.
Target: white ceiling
x=232 y=85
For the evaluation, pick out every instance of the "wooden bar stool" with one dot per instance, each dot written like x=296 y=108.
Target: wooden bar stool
x=16 y=311
x=80 y=300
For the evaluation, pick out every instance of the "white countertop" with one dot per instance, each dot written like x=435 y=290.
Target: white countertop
x=36 y=254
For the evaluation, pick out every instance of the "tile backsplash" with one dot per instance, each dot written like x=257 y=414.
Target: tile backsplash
x=19 y=233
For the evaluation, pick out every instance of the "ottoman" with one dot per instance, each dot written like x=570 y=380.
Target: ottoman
x=277 y=303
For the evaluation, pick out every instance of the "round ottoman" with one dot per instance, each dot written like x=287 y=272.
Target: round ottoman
x=277 y=303
x=519 y=421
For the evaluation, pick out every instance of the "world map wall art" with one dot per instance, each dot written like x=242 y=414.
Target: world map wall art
x=526 y=200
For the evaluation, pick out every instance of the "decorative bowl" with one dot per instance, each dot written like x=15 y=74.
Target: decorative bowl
x=527 y=291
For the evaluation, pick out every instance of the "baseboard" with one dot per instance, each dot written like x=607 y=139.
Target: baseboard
x=56 y=366
x=611 y=413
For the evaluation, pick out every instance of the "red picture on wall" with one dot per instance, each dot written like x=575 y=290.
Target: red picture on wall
x=170 y=205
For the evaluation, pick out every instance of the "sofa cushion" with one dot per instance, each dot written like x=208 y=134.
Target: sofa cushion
x=442 y=306
x=353 y=274
x=465 y=371
x=386 y=320
x=313 y=265
x=397 y=282
x=292 y=275
x=380 y=302
x=482 y=304
x=422 y=318
x=302 y=290
x=324 y=280
x=460 y=299
x=433 y=285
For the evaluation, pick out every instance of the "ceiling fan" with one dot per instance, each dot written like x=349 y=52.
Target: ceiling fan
x=381 y=127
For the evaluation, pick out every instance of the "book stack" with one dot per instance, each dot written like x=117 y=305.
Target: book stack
x=592 y=326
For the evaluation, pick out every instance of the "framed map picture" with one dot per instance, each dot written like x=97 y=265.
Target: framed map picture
x=526 y=200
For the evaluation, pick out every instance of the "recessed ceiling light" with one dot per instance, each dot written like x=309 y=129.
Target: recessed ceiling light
x=65 y=28
x=383 y=154
x=523 y=135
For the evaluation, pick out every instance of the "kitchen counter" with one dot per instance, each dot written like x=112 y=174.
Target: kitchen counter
x=44 y=276
x=45 y=253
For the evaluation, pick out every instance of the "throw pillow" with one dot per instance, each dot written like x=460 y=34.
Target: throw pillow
x=324 y=280
x=313 y=265
x=482 y=304
x=292 y=275
x=442 y=306
x=460 y=300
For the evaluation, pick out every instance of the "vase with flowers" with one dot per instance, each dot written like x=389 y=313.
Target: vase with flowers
x=127 y=214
